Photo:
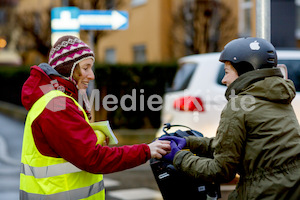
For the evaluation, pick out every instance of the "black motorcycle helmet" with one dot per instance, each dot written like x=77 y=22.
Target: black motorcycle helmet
x=250 y=53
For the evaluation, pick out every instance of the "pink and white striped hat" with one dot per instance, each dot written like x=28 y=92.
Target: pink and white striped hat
x=66 y=53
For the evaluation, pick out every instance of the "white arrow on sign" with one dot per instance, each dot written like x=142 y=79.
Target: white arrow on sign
x=111 y=18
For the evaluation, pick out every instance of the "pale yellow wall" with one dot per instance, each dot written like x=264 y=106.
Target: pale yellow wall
x=165 y=30
x=28 y=5
x=144 y=28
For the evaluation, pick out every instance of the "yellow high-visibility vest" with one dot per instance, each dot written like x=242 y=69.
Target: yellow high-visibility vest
x=49 y=178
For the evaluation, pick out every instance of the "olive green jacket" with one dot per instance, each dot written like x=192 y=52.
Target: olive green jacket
x=258 y=137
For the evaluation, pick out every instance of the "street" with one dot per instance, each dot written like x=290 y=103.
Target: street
x=133 y=184
x=11 y=134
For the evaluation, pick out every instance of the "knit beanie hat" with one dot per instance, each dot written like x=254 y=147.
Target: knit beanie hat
x=66 y=53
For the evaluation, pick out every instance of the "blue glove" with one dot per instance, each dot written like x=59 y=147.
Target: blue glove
x=181 y=142
x=174 y=149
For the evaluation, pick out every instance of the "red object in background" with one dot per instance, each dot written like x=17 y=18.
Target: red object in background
x=189 y=103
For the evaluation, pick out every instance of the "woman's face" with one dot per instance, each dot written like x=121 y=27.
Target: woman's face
x=83 y=73
x=230 y=74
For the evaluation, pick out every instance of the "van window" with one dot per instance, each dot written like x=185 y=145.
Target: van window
x=183 y=76
x=293 y=67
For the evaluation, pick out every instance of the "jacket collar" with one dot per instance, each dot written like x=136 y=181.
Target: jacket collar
x=41 y=80
x=249 y=78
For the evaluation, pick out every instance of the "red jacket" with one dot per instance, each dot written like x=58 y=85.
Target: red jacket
x=66 y=134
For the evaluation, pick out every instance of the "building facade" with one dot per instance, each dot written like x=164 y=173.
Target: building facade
x=158 y=31
x=166 y=30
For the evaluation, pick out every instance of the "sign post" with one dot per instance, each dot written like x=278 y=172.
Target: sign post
x=263 y=19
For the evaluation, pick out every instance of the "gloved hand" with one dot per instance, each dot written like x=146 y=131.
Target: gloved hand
x=181 y=142
x=174 y=149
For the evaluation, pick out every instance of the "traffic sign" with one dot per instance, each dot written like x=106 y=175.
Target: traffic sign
x=70 y=20
x=103 y=20
x=66 y=19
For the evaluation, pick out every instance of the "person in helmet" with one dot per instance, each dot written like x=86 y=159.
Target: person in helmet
x=258 y=135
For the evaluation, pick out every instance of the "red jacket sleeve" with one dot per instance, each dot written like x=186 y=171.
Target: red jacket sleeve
x=66 y=134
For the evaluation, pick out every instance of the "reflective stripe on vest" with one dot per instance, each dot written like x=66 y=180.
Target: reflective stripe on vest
x=49 y=171
x=70 y=195
x=49 y=178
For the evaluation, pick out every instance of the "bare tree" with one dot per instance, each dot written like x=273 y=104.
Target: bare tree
x=205 y=23
x=36 y=33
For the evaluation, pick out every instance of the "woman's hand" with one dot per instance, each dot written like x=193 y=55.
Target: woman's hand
x=159 y=148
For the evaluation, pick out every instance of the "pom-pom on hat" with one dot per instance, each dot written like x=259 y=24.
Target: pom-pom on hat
x=66 y=53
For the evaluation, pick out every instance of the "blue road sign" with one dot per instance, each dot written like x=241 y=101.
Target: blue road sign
x=70 y=20
x=103 y=20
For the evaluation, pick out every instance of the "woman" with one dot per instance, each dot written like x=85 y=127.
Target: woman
x=258 y=136
x=61 y=157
